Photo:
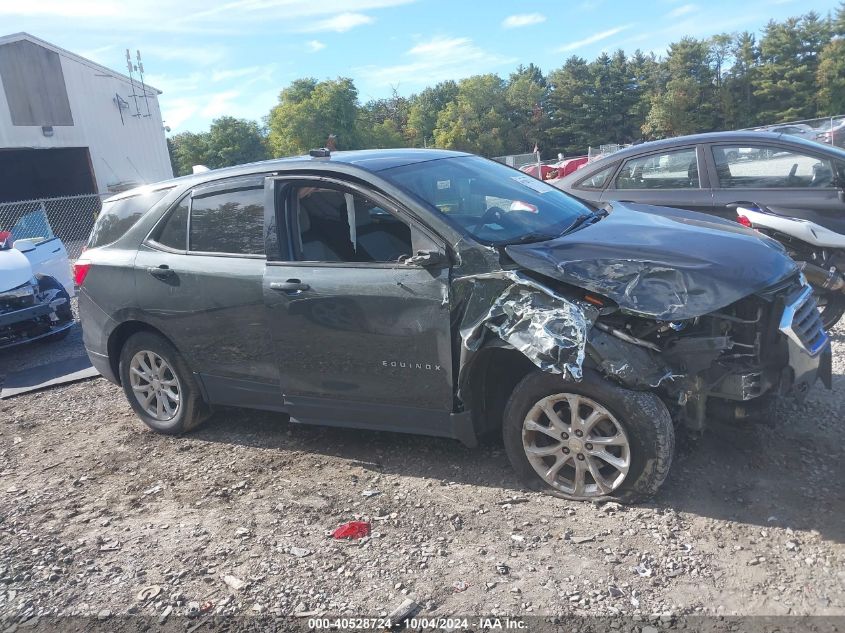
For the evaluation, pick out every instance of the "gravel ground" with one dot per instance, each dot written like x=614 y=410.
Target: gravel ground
x=99 y=516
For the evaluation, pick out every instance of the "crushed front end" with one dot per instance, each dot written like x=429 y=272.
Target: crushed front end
x=29 y=313
x=727 y=363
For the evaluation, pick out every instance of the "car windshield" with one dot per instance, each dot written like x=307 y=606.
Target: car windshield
x=493 y=203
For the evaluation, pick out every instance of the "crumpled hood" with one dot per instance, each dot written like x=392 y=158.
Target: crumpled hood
x=658 y=262
x=15 y=269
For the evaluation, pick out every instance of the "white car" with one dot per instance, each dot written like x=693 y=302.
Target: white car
x=36 y=284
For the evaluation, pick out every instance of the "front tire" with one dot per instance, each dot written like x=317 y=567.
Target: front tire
x=159 y=385
x=587 y=440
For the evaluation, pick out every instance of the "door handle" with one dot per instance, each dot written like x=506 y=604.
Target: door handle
x=291 y=285
x=161 y=272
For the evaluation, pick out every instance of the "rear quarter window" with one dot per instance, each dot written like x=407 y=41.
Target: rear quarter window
x=118 y=216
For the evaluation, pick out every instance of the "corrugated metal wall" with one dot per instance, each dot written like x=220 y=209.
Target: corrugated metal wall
x=123 y=148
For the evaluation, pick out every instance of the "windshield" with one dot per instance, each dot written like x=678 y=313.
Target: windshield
x=491 y=202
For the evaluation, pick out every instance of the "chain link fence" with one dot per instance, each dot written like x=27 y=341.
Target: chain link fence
x=519 y=160
x=69 y=218
x=829 y=130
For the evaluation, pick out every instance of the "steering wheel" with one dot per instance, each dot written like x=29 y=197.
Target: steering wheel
x=790 y=179
x=493 y=213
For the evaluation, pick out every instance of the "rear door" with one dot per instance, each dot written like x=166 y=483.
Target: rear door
x=361 y=337
x=198 y=279
x=669 y=177
x=789 y=180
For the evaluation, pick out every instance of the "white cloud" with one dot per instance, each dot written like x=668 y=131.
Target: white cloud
x=435 y=60
x=592 y=39
x=340 y=23
x=194 y=55
x=315 y=45
x=523 y=19
x=685 y=9
x=193 y=16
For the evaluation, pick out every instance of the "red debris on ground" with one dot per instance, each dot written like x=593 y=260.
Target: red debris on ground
x=353 y=529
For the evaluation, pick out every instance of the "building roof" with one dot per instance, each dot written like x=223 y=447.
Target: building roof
x=17 y=37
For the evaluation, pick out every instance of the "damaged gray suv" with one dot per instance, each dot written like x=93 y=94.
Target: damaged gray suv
x=440 y=293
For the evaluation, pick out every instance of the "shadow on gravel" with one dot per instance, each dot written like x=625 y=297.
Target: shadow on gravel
x=786 y=472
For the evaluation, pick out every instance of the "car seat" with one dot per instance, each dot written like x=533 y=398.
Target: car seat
x=822 y=176
x=692 y=174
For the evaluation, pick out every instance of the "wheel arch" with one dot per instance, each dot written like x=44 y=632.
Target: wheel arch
x=121 y=334
x=487 y=380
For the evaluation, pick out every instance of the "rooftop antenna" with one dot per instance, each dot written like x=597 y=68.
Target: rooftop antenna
x=143 y=86
x=134 y=96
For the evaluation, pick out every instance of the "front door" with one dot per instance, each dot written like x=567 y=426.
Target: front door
x=668 y=178
x=361 y=337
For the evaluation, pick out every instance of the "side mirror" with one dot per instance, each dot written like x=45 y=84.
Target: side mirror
x=426 y=259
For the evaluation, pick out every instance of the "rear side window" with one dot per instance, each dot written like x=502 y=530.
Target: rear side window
x=174 y=231
x=599 y=179
x=229 y=222
x=118 y=216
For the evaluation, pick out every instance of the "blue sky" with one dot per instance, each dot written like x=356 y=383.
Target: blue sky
x=232 y=57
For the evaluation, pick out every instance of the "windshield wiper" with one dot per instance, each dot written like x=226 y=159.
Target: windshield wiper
x=531 y=237
x=584 y=218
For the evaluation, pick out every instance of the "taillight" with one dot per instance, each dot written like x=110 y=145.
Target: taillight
x=80 y=271
x=744 y=221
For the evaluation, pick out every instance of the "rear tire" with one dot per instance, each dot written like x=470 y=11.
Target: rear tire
x=832 y=309
x=624 y=444
x=159 y=385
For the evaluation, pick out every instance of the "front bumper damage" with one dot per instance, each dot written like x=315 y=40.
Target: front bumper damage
x=32 y=323
x=696 y=376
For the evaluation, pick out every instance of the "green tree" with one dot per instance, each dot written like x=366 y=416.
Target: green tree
x=785 y=84
x=570 y=106
x=309 y=111
x=526 y=95
x=424 y=110
x=831 y=78
x=645 y=74
x=234 y=141
x=687 y=104
x=229 y=141
x=837 y=25
x=475 y=121
x=383 y=122
x=740 y=81
x=188 y=149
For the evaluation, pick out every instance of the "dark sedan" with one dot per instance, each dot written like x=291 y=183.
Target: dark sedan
x=715 y=171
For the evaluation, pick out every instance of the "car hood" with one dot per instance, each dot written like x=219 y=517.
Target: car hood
x=15 y=269
x=659 y=262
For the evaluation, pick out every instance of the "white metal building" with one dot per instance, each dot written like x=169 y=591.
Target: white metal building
x=69 y=126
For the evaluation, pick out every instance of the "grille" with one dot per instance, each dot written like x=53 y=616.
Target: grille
x=802 y=323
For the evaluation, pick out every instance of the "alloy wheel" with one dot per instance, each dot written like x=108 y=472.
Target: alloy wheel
x=155 y=385
x=576 y=445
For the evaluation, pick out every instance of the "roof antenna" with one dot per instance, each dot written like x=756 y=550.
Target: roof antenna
x=143 y=86
x=134 y=95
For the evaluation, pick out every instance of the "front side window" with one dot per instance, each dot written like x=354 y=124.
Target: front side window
x=676 y=169
x=599 y=179
x=769 y=167
x=230 y=222
x=340 y=226
x=491 y=202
